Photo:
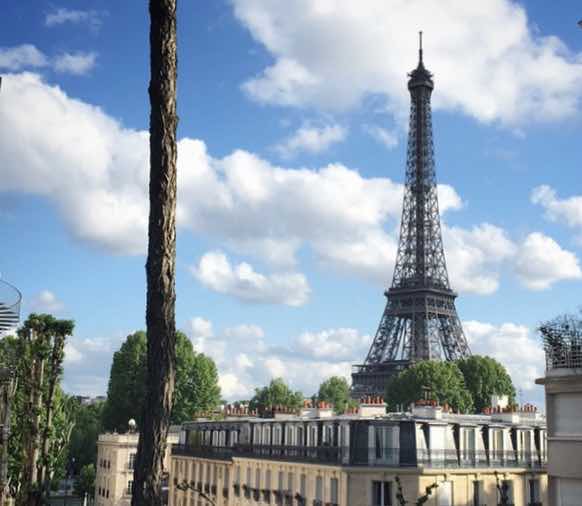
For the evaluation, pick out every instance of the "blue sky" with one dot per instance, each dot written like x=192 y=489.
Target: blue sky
x=293 y=141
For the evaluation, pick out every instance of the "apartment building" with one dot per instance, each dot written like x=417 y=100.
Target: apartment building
x=316 y=458
x=115 y=463
x=563 y=387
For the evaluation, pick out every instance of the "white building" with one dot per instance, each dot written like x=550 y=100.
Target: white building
x=115 y=463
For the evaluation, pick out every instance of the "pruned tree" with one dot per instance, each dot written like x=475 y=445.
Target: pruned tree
x=161 y=261
x=41 y=413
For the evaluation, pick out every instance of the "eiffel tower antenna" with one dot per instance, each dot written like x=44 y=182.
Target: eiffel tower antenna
x=420 y=321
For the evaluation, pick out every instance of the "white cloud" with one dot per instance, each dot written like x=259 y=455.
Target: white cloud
x=386 y=137
x=75 y=63
x=96 y=172
x=474 y=257
x=72 y=354
x=334 y=54
x=71 y=152
x=27 y=56
x=46 y=302
x=339 y=343
x=215 y=271
x=311 y=139
x=542 y=262
x=200 y=328
x=568 y=210
x=61 y=16
x=513 y=346
x=23 y=56
x=246 y=362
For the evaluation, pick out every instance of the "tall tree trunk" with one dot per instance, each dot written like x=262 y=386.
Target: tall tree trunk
x=30 y=492
x=160 y=267
x=54 y=373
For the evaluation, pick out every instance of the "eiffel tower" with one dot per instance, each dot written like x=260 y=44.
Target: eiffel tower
x=420 y=321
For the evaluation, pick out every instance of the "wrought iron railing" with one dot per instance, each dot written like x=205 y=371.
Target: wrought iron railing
x=562 y=343
x=384 y=457
x=10 y=299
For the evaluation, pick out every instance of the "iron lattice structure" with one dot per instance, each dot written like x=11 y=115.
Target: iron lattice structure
x=420 y=321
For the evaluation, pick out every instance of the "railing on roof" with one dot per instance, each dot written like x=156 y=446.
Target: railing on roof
x=562 y=340
x=363 y=456
x=10 y=299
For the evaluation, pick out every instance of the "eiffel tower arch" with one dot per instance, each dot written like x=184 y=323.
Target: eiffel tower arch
x=420 y=321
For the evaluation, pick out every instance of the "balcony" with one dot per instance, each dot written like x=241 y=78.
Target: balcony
x=384 y=457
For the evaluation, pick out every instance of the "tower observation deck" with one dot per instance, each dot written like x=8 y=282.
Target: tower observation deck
x=420 y=321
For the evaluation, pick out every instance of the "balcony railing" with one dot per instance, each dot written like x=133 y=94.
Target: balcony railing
x=385 y=457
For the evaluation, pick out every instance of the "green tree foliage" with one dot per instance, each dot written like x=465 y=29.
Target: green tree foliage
x=41 y=414
x=276 y=394
x=336 y=390
x=126 y=389
x=484 y=377
x=83 y=443
x=196 y=387
x=85 y=481
x=444 y=380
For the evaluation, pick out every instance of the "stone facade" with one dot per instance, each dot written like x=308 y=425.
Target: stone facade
x=563 y=387
x=315 y=458
x=115 y=462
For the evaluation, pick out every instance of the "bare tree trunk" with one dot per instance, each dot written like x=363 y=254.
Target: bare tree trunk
x=160 y=267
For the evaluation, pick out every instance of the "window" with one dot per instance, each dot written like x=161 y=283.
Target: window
x=313 y=436
x=445 y=493
x=534 y=492
x=131 y=464
x=130 y=487
x=505 y=492
x=300 y=441
x=226 y=482
x=467 y=443
x=383 y=443
x=319 y=488
x=329 y=435
x=334 y=491
x=381 y=493
x=478 y=493
x=277 y=436
x=258 y=478
x=257 y=435
x=289 y=440
x=280 y=488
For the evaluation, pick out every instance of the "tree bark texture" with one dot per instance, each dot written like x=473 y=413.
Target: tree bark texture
x=160 y=267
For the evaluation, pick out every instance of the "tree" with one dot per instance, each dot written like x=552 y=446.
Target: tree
x=85 y=482
x=126 y=389
x=83 y=443
x=484 y=377
x=41 y=418
x=196 y=384
x=161 y=261
x=443 y=380
x=421 y=500
x=336 y=390
x=276 y=394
